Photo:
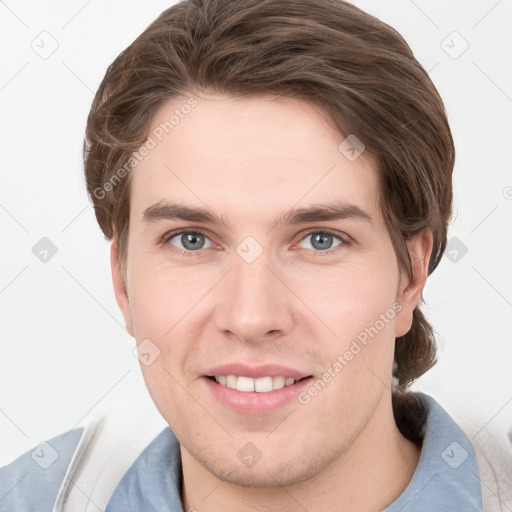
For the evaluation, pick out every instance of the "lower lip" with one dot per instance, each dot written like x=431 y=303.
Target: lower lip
x=254 y=402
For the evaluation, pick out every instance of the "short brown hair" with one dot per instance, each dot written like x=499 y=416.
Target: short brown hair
x=356 y=68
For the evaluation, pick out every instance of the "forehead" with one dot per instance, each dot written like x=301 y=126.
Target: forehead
x=250 y=155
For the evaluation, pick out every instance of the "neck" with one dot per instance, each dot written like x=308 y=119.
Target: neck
x=369 y=476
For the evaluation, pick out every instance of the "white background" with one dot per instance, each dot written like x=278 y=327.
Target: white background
x=64 y=350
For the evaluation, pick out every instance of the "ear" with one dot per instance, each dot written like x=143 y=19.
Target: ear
x=411 y=290
x=120 y=287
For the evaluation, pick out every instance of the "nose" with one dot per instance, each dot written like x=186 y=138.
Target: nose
x=255 y=304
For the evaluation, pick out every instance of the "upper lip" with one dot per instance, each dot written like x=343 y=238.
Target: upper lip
x=265 y=370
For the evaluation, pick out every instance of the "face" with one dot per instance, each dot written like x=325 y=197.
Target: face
x=292 y=281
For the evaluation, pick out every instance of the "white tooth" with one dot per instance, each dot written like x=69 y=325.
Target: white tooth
x=245 y=384
x=278 y=382
x=260 y=385
x=263 y=384
x=231 y=381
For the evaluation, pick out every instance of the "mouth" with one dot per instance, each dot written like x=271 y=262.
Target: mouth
x=255 y=385
x=259 y=394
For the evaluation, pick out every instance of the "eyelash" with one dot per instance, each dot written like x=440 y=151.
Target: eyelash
x=168 y=236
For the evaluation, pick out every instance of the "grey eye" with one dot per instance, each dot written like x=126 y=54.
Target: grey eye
x=189 y=241
x=321 y=240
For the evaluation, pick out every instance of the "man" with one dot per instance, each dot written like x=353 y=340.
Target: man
x=275 y=178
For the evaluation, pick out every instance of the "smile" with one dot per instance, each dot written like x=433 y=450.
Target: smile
x=255 y=396
x=258 y=385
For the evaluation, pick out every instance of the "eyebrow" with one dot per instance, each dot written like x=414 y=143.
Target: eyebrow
x=336 y=210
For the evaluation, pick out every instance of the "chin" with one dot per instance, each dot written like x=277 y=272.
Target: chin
x=275 y=471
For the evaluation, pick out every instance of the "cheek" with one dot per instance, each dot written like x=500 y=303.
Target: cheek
x=162 y=297
x=162 y=326
x=352 y=297
x=358 y=305
x=168 y=310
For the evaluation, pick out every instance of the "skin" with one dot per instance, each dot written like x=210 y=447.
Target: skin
x=249 y=160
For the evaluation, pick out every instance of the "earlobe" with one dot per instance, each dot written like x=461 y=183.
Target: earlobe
x=411 y=290
x=120 y=287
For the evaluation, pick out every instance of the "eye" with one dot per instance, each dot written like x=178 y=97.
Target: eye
x=189 y=241
x=322 y=241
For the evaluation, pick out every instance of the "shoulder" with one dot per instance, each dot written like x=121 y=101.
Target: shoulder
x=491 y=442
x=493 y=452
x=33 y=480
x=446 y=477
x=83 y=465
